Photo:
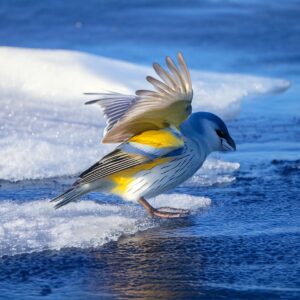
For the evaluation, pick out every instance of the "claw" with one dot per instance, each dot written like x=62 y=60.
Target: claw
x=164 y=212
x=169 y=212
x=172 y=210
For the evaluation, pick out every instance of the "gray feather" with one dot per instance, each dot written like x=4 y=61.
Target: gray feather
x=70 y=195
x=114 y=106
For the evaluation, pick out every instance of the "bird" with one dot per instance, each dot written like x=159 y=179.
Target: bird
x=161 y=141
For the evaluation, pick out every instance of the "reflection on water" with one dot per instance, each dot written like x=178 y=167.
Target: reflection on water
x=154 y=265
x=150 y=267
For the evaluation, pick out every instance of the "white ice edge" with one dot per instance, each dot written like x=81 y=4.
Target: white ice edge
x=36 y=226
x=46 y=130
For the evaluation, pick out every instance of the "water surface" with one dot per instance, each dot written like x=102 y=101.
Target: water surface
x=245 y=245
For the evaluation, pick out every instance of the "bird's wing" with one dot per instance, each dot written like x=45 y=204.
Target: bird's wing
x=143 y=151
x=117 y=160
x=143 y=148
x=168 y=105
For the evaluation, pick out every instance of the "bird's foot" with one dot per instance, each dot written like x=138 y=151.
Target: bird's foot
x=164 y=212
x=170 y=212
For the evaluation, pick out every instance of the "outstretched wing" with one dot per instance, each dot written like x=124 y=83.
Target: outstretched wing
x=168 y=105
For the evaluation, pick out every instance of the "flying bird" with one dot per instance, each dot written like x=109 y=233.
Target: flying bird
x=161 y=142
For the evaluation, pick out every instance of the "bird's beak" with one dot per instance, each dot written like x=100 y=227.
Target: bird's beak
x=228 y=144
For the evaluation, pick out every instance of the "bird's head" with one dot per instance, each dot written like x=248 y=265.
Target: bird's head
x=212 y=131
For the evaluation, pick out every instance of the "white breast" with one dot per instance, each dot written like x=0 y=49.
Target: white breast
x=166 y=176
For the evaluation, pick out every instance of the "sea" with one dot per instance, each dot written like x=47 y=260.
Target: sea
x=242 y=238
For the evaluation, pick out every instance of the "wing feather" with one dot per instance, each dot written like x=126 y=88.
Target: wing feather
x=140 y=149
x=185 y=72
x=168 y=105
x=115 y=161
x=113 y=105
x=176 y=74
x=164 y=75
x=144 y=149
x=160 y=86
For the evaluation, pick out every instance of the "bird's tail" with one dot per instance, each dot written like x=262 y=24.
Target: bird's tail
x=70 y=195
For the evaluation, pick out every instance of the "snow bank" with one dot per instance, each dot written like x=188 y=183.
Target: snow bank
x=47 y=131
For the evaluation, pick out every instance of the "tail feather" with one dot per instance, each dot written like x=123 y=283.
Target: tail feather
x=70 y=195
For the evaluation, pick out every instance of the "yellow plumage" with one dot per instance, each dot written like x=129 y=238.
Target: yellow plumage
x=123 y=178
x=158 y=138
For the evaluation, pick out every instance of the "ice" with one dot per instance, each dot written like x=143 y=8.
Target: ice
x=214 y=172
x=181 y=201
x=46 y=130
x=36 y=226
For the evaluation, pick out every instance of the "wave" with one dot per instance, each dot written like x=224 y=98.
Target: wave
x=46 y=130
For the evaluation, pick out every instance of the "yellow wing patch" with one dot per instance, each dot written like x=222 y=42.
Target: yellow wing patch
x=163 y=138
x=123 y=178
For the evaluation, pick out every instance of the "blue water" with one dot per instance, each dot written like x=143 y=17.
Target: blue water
x=246 y=245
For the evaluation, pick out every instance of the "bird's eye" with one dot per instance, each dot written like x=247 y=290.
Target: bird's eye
x=220 y=133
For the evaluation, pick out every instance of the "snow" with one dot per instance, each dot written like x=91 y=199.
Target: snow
x=46 y=130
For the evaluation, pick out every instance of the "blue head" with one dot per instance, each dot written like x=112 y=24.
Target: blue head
x=210 y=130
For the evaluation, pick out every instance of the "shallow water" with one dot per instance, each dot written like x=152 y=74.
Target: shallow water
x=245 y=245
x=242 y=239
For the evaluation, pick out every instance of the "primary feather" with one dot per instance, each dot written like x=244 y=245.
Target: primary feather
x=168 y=105
x=114 y=106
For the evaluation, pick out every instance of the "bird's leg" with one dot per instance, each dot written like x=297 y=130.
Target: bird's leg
x=163 y=212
